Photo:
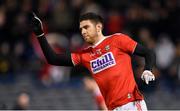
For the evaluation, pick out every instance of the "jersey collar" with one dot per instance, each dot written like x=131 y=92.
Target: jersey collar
x=93 y=46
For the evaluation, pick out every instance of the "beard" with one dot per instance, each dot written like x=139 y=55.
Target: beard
x=91 y=39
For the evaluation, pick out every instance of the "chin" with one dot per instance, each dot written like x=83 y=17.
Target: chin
x=88 y=41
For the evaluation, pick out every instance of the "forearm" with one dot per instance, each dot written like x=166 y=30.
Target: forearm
x=61 y=59
x=149 y=55
x=150 y=60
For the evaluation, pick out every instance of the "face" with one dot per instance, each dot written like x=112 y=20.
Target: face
x=89 y=31
x=23 y=100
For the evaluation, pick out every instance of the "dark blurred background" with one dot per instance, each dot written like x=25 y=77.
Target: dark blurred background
x=27 y=79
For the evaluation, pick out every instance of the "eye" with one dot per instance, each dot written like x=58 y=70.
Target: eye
x=86 y=26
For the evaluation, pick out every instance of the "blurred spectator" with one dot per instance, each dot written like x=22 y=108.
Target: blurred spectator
x=5 y=63
x=157 y=11
x=165 y=51
x=6 y=69
x=76 y=42
x=20 y=31
x=2 y=16
x=22 y=102
x=92 y=6
x=91 y=86
x=146 y=38
x=115 y=22
x=173 y=77
x=2 y=22
x=62 y=17
x=76 y=4
x=44 y=7
x=26 y=6
x=19 y=60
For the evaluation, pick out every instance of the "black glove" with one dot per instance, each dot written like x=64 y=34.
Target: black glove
x=37 y=25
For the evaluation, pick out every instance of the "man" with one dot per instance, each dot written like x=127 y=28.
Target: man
x=108 y=58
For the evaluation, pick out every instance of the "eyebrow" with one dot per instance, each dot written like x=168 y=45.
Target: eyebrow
x=85 y=26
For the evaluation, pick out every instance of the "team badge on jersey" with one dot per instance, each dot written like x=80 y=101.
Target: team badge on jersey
x=107 y=48
x=103 y=62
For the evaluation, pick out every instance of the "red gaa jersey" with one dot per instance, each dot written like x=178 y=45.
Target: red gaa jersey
x=109 y=62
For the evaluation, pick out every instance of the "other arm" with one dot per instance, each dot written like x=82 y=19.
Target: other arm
x=150 y=60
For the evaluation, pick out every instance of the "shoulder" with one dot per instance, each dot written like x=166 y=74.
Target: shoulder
x=117 y=36
x=83 y=49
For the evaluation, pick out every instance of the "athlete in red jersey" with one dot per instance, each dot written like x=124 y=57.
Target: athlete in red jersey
x=108 y=58
x=110 y=65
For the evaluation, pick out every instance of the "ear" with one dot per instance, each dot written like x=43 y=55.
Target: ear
x=99 y=27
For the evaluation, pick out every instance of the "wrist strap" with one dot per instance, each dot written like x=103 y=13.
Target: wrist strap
x=40 y=35
x=147 y=71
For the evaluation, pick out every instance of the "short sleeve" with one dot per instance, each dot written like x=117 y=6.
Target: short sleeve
x=76 y=59
x=125 y=43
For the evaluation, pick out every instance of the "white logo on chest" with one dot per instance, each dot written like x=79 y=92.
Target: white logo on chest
x=103 y=62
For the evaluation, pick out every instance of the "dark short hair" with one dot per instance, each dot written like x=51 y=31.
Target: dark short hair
x=91 y=16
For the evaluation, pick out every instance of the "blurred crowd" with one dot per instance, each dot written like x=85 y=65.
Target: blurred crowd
x=153 y=23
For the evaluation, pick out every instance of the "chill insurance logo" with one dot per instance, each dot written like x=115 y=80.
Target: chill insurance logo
x=103 y=62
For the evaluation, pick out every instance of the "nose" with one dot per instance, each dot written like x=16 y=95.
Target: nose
x=83 y=31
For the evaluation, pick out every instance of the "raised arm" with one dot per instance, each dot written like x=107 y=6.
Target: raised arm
x=150 y=60
x=60 y=59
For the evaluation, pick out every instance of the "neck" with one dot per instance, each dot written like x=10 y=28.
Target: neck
x=99 y=38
